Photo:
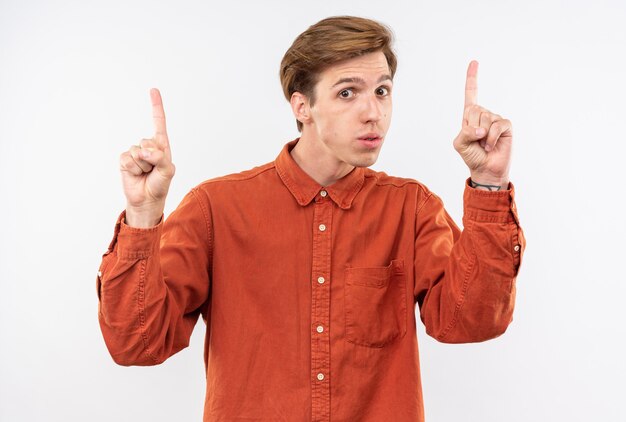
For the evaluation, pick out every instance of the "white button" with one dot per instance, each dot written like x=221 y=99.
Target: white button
x=99 y=273
x=320 y=329
x=323 y=193
x=516 y=248
x=320 y=280
x=320 y=376
x=322 y=227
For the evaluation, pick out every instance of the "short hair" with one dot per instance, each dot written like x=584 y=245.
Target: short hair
x=327 y=42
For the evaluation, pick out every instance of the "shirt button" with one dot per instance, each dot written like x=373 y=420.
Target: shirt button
x=322 y=227
x=320 y=376
x=99 y=273
x=516 y=248
x=321 y=280
x=320 y=329
x=323 y=193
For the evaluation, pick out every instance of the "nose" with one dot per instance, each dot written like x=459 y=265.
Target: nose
x=372 y=109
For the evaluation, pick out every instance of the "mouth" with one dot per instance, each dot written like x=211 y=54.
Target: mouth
x=371 y=140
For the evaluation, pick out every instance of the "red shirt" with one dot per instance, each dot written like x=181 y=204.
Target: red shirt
x=309 y=292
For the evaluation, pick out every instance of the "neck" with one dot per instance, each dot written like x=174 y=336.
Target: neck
x=313 y=157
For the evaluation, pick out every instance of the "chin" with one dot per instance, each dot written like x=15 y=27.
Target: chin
x=365 y=161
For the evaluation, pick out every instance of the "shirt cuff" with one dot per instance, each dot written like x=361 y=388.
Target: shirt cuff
x=134 y=243
x=490 y=206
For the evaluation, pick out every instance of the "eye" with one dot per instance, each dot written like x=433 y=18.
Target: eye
x=382 y=91
x=346 y=93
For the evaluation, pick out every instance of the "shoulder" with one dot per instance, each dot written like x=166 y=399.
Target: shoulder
x=381 y=179
x=243 y=179
x=251 y=174
x=416 y=189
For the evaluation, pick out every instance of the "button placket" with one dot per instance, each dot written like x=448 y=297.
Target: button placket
x=320 y=308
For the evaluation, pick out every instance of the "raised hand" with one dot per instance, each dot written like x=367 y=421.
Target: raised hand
x=485 y=139
x=147 y=171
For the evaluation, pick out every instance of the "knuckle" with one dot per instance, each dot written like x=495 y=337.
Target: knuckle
x=127 y=168
x=487 y=117
x=145 y=143
x=133 y=167
x=169 y=170
x=155 y=156
x=503 y=125
x=466 y=133
x=125 y=160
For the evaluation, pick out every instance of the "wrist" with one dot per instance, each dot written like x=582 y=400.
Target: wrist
x=489 y=183
x=143 y=217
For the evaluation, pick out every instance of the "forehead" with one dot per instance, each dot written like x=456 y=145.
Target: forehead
x=368 y=67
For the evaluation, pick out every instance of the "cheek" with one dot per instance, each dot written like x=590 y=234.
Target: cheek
x=335 y=124
x=388 y=110
x=329 y=122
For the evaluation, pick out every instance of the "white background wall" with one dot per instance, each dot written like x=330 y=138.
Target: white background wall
x=74 y=81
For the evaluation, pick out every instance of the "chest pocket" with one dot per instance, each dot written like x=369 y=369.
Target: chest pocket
x=375 y=304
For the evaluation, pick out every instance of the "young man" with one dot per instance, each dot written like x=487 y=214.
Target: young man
x=307 y=270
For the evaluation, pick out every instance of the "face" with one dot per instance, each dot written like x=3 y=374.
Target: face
x=352 y=111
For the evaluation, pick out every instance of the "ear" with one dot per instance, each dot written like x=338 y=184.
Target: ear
x=301 y=107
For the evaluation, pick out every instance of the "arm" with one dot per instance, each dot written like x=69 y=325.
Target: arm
x=465 y=281
x=153 y=284
x=154 y=278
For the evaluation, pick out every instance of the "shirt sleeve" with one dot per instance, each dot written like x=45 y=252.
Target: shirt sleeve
x=465 y=281
x=154 y=283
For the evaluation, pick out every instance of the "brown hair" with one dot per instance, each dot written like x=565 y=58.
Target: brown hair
x=327 y=42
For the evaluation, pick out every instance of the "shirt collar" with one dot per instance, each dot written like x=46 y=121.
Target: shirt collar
x=304 y=188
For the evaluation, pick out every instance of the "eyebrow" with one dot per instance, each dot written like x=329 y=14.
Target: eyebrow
x=361 y=81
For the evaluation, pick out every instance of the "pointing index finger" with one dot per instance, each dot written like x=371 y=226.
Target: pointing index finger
x=471 y=84
x=158 y=116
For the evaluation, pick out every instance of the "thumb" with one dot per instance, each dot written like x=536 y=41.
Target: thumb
x=159 y=159
x=468 y=135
